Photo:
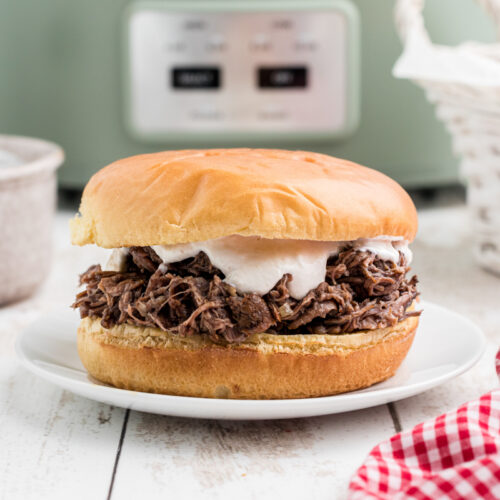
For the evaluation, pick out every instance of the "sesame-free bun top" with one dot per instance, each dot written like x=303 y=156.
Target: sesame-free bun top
x=197 y=195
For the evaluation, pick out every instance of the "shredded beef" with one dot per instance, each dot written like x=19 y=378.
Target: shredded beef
x=360 y=292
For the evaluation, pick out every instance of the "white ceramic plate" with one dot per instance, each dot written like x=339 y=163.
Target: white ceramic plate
x=446 y=345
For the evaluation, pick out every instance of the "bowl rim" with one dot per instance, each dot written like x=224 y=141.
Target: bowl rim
x=49 y=160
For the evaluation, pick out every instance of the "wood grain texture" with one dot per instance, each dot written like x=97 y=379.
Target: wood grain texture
x=53 y=444
x=294 y=459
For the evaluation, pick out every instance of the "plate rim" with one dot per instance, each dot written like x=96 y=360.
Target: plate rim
x=322 y=403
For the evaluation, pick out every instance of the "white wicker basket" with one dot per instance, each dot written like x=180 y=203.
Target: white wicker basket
x=464 y=84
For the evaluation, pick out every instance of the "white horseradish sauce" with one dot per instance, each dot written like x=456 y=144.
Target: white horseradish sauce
x=255 y=264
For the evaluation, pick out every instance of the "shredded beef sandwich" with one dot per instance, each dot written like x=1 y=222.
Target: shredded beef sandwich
x=246 y=274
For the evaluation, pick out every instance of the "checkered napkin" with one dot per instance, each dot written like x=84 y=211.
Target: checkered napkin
x=454 y=456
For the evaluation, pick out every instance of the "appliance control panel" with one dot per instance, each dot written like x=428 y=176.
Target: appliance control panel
x=221 y=73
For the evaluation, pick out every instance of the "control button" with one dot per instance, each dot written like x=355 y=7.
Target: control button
x=260 y=42
x=216 y=43
x=282 y=77
x=305 y=42
x=195 y=77
x=209 y=113
x=272 y=113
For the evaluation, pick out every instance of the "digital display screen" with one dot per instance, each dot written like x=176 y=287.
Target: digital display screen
x=196 y=77
x=282 y=77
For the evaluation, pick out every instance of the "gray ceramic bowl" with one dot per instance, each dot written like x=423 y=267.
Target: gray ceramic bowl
x=27 y=205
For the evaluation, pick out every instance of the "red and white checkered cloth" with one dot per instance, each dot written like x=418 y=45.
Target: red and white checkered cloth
x=455 y=456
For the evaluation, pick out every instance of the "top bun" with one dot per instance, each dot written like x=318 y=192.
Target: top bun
x=197 y=195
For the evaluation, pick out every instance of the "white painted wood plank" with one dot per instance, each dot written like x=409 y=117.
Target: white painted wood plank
x=53 y=445
x=293 y=459
x=449 y=276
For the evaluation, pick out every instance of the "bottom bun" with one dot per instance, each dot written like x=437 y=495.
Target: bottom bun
x=265 y=366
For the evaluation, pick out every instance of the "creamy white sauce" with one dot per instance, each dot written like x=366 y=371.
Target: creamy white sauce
x=117 y=259
x=254 y=264
x=403 y=247
x=382 y=247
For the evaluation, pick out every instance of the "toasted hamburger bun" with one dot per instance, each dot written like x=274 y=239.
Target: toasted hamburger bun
x=266 y=366
x=186 y=196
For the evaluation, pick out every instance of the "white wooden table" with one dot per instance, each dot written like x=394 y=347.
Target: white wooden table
x=55 y=445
